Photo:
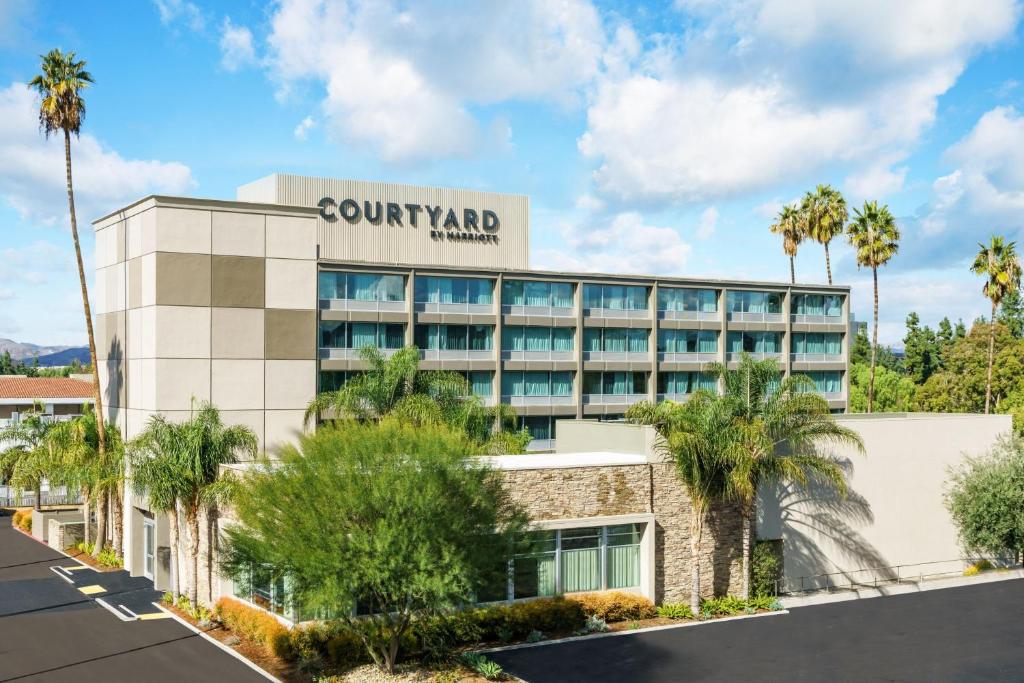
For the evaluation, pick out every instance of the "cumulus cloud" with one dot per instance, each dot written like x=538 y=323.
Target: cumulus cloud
x=34 y=263
x=626 y=244
x=174 y=12
x=236 y=46
x=305 y=125
x=402 y=80
x=876 y=180
x=744 y=99
x=32 y=168
x=708 y=223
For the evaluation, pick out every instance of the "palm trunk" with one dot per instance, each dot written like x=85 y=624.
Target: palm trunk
x=38 y=504
x=192 y=519
x=211 y=538
x=991 y=357
x=747 y=512
x=792 y=271
x=101 y=524
x=100 y=426
x=175 y=552
x=118 y=522
x=828 y=264
x=85 y=515
x=874 y=345
x=696 y=535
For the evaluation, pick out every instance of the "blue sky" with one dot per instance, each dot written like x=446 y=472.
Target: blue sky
x=650 y=138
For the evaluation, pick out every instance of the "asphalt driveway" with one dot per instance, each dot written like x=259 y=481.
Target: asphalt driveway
x=51 y=631
x=973 y=633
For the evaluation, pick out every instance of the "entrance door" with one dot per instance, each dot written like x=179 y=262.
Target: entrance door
x=148 y=548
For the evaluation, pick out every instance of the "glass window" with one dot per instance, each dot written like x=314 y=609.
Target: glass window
x=562 y=338
x=755 y=342
x=754 y=302
x=592 y=296
x=331 y=285
x=537 y=293
x=678 y=299
x=827 y=382
x=332 y=380
x=623 y=560
x=454 y=337
x=481 y=382
x=480 y=292
x=581 y=559
x=561 y=295
x=533 y=570
x=615 y=297
x=447 y=290
x=512 y=293
x=361 y=286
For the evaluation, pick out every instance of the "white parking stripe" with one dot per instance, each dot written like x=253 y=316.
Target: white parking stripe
x=54 y=570
x=116 y=612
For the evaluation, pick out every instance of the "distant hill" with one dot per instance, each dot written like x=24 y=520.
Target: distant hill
x=48 y=355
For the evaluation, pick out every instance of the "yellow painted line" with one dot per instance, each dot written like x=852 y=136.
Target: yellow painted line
x=154 y=615
x=75 y=568
x=92 y=590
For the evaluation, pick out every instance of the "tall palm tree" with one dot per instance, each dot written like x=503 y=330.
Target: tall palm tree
x=790 y=225
x=62 y=109
x=29 y=457
x=700 y=438
x=998 y=261
x=784 y=425
x=824 y=213
x=876 y=237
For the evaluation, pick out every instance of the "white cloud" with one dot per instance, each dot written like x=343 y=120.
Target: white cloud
x=876 y=180
x=769 y=209
x=625 y=245
x=34 y=263
x=708 y=223
x=32 y=168
x=175 y=11
x=6 y=294
x=401 y=79
x=236 y=46
x=588 y=202
x=305 y=125
x=770 y=89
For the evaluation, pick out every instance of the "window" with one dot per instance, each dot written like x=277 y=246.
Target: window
x=623 y=560
x=754 y=302
x=686 y=382
x=332 y=380
x=614 y=383
x=519 y=338
x=266 y=589
x=687 y=341
x=361 y=286
x=818 y=343
x=533 y=293
x=830 y=305
x=827 y=382
x=533 y=570
x=615 y=339
x=581 y=559
x=754 y=342
x=615 y=297
x=446 y=290
x=536 y=383
x=677 y=299
x=343 y=335
x=454 y=337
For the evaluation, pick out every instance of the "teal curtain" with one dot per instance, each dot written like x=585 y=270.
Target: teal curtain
x=636 y=298
x=734 y=342
x=445 y=293
x=833 y=306
x=616 y=383
x=512 y=383
x=391 y=336
x=581 y=570
x=666 y=341
x=331 y=285
x=623 y=566
x=480 y=337
x=591 y=339
x=538 y=338
x=392 y=288
x=614 y=297
x=799 y=342
x=424 y=290
x=707 y=341
x=561 y=339
x=481 y=382
x=815 y=342
x=592 y=383
x=756 y=302
x=615 y=339
x=592 y=296
x=561 y=295
x=708 y=300
x=512 y=293
x=638 y=341
x=332 y=334
x=538 y=383
x=561 y=384
x=772 y=302
x=363 y=334
x=537 y=293
x=827 y=382
x=666 y=299
x=833 y=344
x=513 y=338
x=362 y=287
x=704 y=381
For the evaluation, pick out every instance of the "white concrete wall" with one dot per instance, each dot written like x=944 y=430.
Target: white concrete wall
x=894 y=513
x=590 y=436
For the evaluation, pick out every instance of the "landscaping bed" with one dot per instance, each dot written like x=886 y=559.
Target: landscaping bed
x=106 y=562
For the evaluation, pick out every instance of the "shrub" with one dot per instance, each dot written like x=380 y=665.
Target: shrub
x=345 y=650
x=487 y=668
x=616 y=606
x=723 y=606
x=23 y=519
x=593 y=624
x=675 y=610
x=978 y=567
x=551 y=615
x=766 y=568
x=256 y=625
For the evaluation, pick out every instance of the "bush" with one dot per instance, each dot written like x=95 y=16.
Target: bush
x=616 y=606
x=723 y=606
x=487 y=668
x=256 y=625
x=675 y=610
x=766 y=568
x=23 y=519
x=551 y=615
x=346 y=650
x=978 y=567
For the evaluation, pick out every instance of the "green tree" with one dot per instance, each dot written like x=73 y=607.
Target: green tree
x=62 y=109
x=921 y=350
x=790 y=225
x=7 y=366
x=874 y=234
x=29 y=457
x=702 y=439
x=824 y=215
x=1011 y=313
x=406 y=521
x=894 y=391
x=985 y=498
x=999 y=263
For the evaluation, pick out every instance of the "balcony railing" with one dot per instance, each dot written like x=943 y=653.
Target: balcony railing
x=327 y=353
x=434 y=307
x=758 y=355
x=359 y=305
x=678 y=398
x=675 y=357
x=688 y=315
x=755 y=317
x=616 y=313
x=47 y=419
x=635 y=356
x=818 y=319
x=613 y=399
x=833 y=395
x=519 y=401
x=541 y=445
x=538 y=355
x=549 y=311
x=817 y=357
x=455 y=354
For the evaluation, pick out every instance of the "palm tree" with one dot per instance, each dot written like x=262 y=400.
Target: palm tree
x=783 y=424
x=700 y=438
x=395 y=386
x=876 y=237
x=999 y=261
x=29 y=457
x=789 y=224
x=824 y=215
x=99 y=476
x=62 y=108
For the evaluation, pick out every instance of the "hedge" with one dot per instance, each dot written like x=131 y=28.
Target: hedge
x=616 y=606
x=23 y=519
x=256 y=625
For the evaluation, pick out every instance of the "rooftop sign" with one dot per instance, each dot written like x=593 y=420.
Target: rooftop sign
x=467 y=225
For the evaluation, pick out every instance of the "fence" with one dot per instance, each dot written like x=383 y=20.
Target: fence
x=25 y=499
x=872 y=577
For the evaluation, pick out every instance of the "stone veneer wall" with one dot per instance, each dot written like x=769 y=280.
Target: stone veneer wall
x=552 y=494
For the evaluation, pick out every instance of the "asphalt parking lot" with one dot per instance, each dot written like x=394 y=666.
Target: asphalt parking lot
x=972 y=633
x=51 y=631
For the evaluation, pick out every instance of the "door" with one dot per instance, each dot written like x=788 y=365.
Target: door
x=148 y=548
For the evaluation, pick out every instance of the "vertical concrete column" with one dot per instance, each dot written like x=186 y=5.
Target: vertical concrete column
x=787 y=336
x=578 y=384
x=498 y=327
x=723 y=317
x=410 y=295
x=652 y=346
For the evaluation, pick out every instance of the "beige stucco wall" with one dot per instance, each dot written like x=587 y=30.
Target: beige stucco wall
x=894 y=514
x=587 y=436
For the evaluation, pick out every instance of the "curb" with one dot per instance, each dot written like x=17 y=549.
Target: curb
x=649 y=629
x=249 y=663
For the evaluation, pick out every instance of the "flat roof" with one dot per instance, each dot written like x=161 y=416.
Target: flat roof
x=543 y=461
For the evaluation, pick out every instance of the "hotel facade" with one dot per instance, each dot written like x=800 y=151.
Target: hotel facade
x=260 y=303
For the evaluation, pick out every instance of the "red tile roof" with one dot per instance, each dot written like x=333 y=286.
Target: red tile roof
x=31 y=388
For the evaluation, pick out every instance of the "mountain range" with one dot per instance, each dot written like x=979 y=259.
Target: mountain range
x=48 y=355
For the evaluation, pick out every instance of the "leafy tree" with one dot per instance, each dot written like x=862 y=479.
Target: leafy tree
x=986 y=498
x=875 y=235
x=921 y=350
x=405 y=521
x=62 y=109
x=790 y=225
x=1011 y=313
x=7 y=366
x=860 y=352
x=998 y=261
x=29 y=457
x=894 y=391
x=824 y=214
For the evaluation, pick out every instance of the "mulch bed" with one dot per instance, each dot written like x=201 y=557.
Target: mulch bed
x=86 y=558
